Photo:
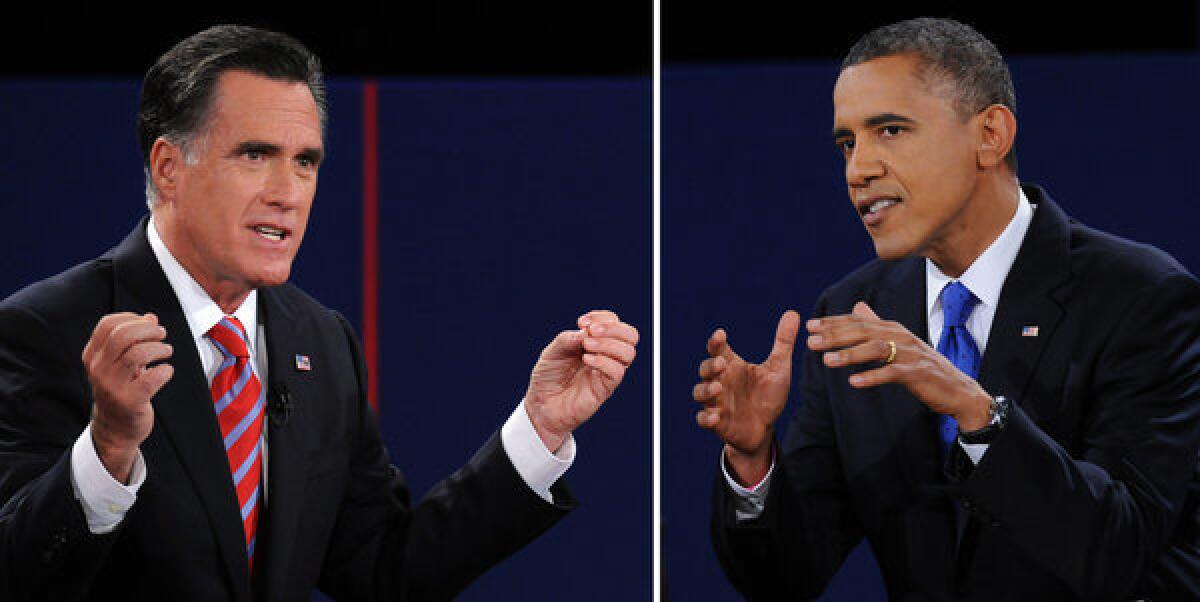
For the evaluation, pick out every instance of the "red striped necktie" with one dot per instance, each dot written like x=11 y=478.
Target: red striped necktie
x=239 y=401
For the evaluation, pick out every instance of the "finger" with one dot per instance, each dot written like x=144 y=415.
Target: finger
x=568 y=343
x=874 y=350
x=866 y=379
x=836 y=333
x=708 y=418
x=864 y=311
x=712 y=367
x=618 y=350
x=610 y=368
x=717 y=343
x=152 y=380
x=825 y=323
x=615 y=330
x=706 y=392
x=785 y=339
x=138 y=357
x=103 y=327
x=130 y=333
x=596 y=316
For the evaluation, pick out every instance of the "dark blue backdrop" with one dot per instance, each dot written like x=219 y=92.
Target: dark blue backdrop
x=756 y=220
x=507 y=208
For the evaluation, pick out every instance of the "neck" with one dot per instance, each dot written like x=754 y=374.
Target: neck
x=979 y=223
x=227 y=298
x=226 y=293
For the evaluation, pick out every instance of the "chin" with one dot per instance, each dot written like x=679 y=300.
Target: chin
x=890 y=250
x=272 y=277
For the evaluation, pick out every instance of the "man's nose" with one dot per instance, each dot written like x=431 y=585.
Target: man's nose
x=863 y=165
x=283 y=187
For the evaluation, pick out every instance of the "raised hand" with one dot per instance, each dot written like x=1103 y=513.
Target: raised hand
x=742 y=400
x=576 y=373
x=117 y=359
x=861 y=337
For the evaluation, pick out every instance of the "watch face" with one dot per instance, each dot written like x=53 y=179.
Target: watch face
x=1000 y=410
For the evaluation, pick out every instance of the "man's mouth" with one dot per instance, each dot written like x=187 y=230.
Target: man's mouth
x=875 y=208
x=877 y=205
x=271 y=233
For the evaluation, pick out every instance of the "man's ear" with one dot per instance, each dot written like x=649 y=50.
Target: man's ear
x=166 y=161
x=997 y=133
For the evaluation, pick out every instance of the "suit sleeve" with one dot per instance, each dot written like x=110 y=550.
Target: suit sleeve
x=1101 y=518
x=808 y=524
x=385 y=549
x=43 y=409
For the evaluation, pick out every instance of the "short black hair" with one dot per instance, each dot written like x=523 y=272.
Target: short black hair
x=177 y=93
x=950 y=50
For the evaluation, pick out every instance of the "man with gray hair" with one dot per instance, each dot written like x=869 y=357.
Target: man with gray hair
x=1006 y=404
x=216 y=441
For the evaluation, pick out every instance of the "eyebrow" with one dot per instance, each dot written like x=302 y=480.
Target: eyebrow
x=312 y=154
x=265 y=148
x=873 y=121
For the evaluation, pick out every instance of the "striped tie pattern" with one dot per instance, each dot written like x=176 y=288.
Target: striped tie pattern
x=239 y=401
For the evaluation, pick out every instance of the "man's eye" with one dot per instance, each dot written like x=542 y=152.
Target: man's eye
x=253 y=155
x=845 y=146
x=304 y=162
x=892 y=130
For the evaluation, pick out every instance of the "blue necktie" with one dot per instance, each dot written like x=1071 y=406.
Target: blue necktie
x=957 y=345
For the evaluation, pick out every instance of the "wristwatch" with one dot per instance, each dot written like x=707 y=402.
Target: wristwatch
x=999 y=412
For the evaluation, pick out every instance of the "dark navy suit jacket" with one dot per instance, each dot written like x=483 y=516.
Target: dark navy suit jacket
x=338 y=514
x=1090 y=493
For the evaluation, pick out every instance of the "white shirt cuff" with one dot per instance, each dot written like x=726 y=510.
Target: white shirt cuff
x=974 y=451
x=104 y=500
x=750 y=501
x=538 y=467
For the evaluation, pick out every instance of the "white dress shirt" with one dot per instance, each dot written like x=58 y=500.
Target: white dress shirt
x=984 y=278
x=105 y=500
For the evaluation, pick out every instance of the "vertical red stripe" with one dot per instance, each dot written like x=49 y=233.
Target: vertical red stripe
x=370 y=292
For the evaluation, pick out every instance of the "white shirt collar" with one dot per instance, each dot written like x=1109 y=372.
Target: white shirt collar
x=985 y=277
x=201 y=311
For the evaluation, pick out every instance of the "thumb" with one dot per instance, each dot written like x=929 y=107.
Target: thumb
x=785 y=339
x=568 y=343
x=862 y=310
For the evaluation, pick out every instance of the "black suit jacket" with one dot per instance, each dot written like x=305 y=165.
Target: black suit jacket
x=337 y=514
x=1089 y=493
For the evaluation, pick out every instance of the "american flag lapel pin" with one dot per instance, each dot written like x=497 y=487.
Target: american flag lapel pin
x=1027 y=331
x=303 y=364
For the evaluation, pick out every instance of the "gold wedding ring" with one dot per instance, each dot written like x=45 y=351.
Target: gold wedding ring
x=891 y=352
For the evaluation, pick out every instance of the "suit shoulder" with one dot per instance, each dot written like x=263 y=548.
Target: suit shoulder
x=81 y=291
x=864 y=281
x=1103 y=259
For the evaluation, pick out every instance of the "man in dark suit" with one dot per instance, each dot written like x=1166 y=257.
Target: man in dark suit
x=1006 y=404
x=215 y=442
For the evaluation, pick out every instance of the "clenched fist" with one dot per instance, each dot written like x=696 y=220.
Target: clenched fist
x=576 y=373
x=117 y=359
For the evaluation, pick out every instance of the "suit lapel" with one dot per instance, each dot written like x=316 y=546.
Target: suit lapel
x=286 y=482
x=914 y=427
x=902 y=299
x=184 y=408
x=1028 y=311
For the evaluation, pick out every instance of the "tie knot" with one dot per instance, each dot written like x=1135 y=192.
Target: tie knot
x=957 y=303
x=230 y=337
